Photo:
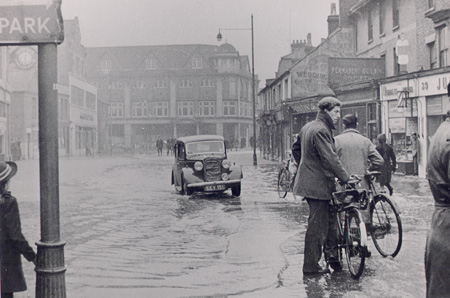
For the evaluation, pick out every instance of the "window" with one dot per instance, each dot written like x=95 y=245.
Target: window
x=369 y=26
x=150 y=63
x=106 y=65
x=433 y=56
x=196 y=63
x=244 y=111
x=232 y=87
x=396 y=65
x=160 y=109
x=186 y=108
x=430 y=3
x=207 y=108
x=382 y=13
x=207 y=83
x=115 y=85
x=229 y=108
x=90 y=101
x=395 y=14
x=77 y=96
x=443 y=46
x=139 y=109
x=117 y=110
x=160 y=84
x=139 y=85
x=185 y=84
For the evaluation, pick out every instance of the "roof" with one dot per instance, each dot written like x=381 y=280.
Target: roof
x=190 y=139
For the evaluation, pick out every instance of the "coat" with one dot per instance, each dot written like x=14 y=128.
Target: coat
x=318 y=162
x=13 y=245
x=438 y=169
x=437 y=250
x=390 y=163
x=357 y=154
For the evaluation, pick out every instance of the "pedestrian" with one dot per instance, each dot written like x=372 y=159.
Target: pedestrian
x=358 y=155
x=437 y=249
x=13 y=243
x=390 y=163
x=159 y=145
x=314 y=152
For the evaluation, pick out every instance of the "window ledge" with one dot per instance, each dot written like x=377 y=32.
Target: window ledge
x=383 y=34
x=370 y=41
x=395 y=28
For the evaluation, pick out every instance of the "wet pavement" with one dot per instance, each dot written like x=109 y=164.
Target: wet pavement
x=129 y=234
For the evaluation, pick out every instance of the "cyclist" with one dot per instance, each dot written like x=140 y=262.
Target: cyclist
x=318 y=165
x=357 y=154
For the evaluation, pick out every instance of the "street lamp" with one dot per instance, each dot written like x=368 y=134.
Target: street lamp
x=219 y=38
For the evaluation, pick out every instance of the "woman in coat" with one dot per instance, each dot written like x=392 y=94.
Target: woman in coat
x=390 y=163
x=13 y=243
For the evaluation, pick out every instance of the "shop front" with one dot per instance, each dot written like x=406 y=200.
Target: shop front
x=412 y=110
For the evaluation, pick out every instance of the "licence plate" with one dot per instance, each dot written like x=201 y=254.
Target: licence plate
x=214 y=187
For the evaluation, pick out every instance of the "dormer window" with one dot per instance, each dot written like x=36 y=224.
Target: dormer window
x=150 y=63
x=106 y=65
x=196 y=63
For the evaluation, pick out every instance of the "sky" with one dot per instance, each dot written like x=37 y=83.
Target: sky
x=172 y=22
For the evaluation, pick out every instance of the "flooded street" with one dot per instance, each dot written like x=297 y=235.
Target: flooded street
x=129 y=234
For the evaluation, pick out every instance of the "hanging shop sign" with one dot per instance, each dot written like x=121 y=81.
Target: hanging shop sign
x=25 y=22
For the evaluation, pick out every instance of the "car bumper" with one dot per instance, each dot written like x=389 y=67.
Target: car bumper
x=203 y=184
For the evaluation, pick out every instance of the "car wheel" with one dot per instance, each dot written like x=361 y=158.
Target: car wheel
x=236 y=190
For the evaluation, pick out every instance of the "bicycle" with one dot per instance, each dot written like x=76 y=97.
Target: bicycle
x=286 y=176
x=385 y=224
x=352 y=234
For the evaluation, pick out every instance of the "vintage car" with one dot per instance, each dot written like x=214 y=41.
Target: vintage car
x=201 y=165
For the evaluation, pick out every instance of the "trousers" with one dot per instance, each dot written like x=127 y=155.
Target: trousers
x=321 y=235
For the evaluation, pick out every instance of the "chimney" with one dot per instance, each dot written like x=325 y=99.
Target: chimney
x=297 y=45
x=333 y=19
x=309 y=39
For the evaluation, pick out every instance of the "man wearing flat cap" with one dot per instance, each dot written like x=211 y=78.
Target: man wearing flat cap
x=357 y=154
x=437 y=250
x=319 y=164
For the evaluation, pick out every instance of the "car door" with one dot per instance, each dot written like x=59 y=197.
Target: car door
x=180 y=156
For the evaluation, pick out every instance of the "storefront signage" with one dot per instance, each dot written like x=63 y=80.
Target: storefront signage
x=30 y=22
x=391 y=90
x=434 y=85
x=397 y=125
x=86 y=117
x=346 y=70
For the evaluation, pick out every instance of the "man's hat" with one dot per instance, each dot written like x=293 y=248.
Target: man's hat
x=349 y=119
x=7 y=170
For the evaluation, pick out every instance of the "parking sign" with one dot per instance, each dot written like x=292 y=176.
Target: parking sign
x=31 y=22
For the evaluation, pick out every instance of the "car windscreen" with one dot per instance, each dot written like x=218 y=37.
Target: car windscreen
x=205 y=148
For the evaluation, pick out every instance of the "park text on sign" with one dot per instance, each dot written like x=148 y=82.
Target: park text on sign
x=30 y=22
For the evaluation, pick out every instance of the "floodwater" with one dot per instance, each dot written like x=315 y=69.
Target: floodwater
x=129 y=234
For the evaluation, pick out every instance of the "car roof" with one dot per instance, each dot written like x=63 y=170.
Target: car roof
x=190 y=139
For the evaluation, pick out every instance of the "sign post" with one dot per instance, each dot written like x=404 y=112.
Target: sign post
x=39 y=22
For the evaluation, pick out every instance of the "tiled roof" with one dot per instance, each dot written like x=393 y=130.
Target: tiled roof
x=169 y=57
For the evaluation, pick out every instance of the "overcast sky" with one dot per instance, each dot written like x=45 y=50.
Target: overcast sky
x=168 y=22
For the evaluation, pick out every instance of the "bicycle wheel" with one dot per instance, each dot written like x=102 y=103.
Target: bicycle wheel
x=386 y=226
x=355 y=237
x=283 y=183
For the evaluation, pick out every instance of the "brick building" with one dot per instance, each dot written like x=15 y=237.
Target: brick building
x=169 y=91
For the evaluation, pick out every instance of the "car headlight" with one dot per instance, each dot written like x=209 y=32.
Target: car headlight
x=224 y=176
x=226 y=164
x=198 y=166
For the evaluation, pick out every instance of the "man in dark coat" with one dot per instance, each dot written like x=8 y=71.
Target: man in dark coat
x=437 y=250
x=390 y=163
x=13 y=243
x=319 y=164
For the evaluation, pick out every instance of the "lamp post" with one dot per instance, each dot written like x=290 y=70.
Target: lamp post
x=219 y=38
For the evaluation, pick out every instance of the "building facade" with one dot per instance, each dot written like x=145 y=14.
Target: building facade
x=413 y=38
x=171 y=91
x=5 y=101
x=77 y=98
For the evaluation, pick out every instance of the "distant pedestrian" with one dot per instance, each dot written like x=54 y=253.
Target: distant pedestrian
x=159 y=145
x=319 y=164
x=13 y=243
x=437 y=250
x=390 y=163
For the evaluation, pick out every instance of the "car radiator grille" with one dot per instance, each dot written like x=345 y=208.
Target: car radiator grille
x=212 y=168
